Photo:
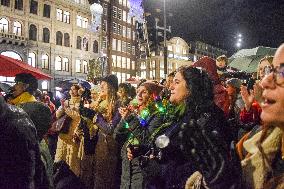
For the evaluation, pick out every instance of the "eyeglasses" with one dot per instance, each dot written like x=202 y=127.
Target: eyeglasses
x=278 y=73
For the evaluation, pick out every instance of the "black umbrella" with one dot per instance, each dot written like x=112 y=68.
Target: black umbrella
x=67 y=83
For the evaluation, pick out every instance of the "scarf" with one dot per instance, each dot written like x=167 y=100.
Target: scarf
x=23 y=98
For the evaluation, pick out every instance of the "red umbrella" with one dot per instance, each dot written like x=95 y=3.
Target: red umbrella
x=9 y=67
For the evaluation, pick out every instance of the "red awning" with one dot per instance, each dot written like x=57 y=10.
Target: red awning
x=9 y=67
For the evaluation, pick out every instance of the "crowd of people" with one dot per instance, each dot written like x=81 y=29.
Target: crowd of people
x=199 y=129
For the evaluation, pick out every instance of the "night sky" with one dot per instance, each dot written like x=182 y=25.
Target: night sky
x=217 y=22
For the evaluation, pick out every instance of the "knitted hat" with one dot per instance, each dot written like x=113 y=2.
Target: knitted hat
x=111 y=80
x=27 y=78
x=153 y=88
x=235 y=82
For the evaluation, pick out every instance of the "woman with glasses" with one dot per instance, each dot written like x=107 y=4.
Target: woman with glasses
x=264 y=166
x=192 y=147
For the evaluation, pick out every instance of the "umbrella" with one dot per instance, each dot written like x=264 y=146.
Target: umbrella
x=247 y=59
x=67 y=83
x=4 y=87
x=10 y=67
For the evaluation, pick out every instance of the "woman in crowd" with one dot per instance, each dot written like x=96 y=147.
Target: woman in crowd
x=68 y=143
x=264 y=165
x=105 y=121
x=133 y=132
x=124 y=94
x=193 y=149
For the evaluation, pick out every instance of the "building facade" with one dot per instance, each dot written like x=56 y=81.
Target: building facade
x=52 y=35
x=119 y=43
x=178 y=55
x=203 y=49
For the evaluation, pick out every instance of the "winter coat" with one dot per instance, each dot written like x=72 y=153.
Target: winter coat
x=20 y=163
x=258 y=166
x=197 y=143
x=67 y=148
x=106 y=151
x=132 y=171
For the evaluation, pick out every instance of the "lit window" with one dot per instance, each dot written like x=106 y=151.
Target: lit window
x=123 y=46
x=4 y=25
x=78 y=66
x=104 y=43
x=124 y=2
x=65 y=64
x=105 y=9
x=79 y=21
x=120 y=2
x=119 y=45
x=66 y=17
x=85 y=23
x=133 y=35
x=177 y=49
x=44 y=85
x=32 y=59
x=129 y=48
x=113 y=44
x=129 y=33
x=17 y=28
x=58 y=63
x=128 y=65
x=118 y=61
x=59 y=15
x=123 y=61
x=85 y=66
x=124 y=16
x=124 y=31
x=170 y=48
x=133 y=50
x=44 y=61
x=105 y=25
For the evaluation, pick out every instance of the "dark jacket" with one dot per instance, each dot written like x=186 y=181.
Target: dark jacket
x=132 y=171
x=20 y=163
x=197 y=143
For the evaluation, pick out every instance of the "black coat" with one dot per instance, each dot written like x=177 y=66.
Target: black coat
x=20 y=163
x=198 y=142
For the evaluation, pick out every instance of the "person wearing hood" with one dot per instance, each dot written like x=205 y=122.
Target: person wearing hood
x=221 y=97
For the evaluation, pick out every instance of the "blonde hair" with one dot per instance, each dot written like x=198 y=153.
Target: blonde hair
x=268 y=58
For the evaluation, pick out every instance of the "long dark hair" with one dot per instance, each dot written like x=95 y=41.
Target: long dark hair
x=200 y=89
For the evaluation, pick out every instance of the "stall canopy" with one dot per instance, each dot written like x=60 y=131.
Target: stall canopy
x=9 y=67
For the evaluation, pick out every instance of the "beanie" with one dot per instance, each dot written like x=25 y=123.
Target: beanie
x=111 y=80
x=235 y=82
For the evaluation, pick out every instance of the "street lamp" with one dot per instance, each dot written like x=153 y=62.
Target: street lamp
x=165 y=43
x=239 y=40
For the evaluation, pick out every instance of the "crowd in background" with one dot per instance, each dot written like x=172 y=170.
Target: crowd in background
x=200 y=128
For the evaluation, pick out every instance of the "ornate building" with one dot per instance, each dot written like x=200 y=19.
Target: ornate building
x=203 y=49
x=52 y=35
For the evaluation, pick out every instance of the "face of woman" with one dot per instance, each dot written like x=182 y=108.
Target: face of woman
x=121 y=92
x=230 y=89
x=104 y=89
x=273 y=93
x=73 y=92
x=179 y=91
x=19 y=88
x=143 y=96
x=261 y=67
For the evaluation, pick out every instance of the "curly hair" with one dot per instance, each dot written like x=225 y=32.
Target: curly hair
x=200 y=88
